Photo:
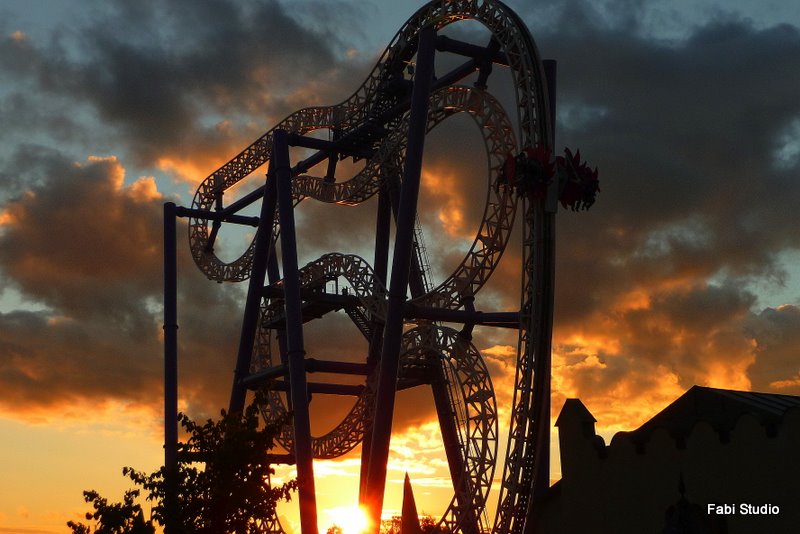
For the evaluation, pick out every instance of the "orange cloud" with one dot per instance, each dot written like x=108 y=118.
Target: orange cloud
x=192 y=169
x=783 y=384
x=630 y=359
x=6 y=218
x=442 y=185
x=145 y=190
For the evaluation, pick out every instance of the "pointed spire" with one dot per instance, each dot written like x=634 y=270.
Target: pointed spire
x=409 y=520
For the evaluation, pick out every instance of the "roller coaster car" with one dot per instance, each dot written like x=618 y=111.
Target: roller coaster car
x=579 y=184
x=529 y=172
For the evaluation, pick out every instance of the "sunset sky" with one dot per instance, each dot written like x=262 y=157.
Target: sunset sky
x=684 y=272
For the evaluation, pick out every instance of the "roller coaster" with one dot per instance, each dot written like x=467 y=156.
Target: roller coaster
x=400 y=313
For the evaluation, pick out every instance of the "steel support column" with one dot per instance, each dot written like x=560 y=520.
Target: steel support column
x=544 y=243
x=294 y=336
x=393 y=331
x=170 y=369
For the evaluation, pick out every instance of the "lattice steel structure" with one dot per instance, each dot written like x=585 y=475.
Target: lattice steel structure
x=384 y=123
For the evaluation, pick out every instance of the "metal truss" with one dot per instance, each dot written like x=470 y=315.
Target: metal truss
x=472 y=406
x=373 y=125
x=426 y=351
x=350 y=431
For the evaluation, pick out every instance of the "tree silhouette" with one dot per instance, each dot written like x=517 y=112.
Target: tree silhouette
x=222 y=482
x=125 y=517
x=427 y=524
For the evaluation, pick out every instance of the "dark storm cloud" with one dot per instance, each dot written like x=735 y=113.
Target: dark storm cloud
x=652 y=284
x=166 y=82
x=646 y=356
x=686 y=328
x=777 y=334
x=324 y=227
x=24 y=115
x=77 y=229
x=57 y=361
x=155 y=72
x=684 y=134
x=693 y=205
x=88 y=248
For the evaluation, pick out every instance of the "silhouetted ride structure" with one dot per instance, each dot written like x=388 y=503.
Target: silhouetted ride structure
x=398 y=310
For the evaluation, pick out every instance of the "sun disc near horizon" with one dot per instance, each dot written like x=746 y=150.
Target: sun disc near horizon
x=352 y=520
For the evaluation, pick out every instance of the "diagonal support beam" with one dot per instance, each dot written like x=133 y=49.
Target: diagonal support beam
x=393 y=331
x=254 y=288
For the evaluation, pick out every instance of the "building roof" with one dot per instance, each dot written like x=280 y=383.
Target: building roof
x=721 y=408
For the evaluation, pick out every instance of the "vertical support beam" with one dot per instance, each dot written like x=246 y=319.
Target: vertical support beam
x=381 y=266
x=273 y=276
x=253 y=301
x=393 y=331
x=217 y=224
x=544 y=242
x=544 y=237
x=383 y=228
x=170 y=368
x=549 y=68
x=330 y=173
x=550 y=71
x=294 y=336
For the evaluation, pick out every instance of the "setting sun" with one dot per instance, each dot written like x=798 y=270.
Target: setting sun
x=441 y=294
x=351 y=519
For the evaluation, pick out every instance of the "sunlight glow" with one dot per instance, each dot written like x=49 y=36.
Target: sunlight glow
x=352 y=520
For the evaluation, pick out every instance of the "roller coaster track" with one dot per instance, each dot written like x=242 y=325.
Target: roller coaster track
x=372 y=125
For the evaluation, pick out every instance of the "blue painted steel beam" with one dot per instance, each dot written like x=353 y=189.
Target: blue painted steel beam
x=325 y=388
x=330 y=147
x=170 y=369
x=458 y=73
x=448 y=44
x=253 y=301
x=496 y=319
x=294 y=336
x=393 y=331
x=383 y=223
x=342 y=368
x=216 y=216
x=453 y=451
x=312 y=365
x=544 y=236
